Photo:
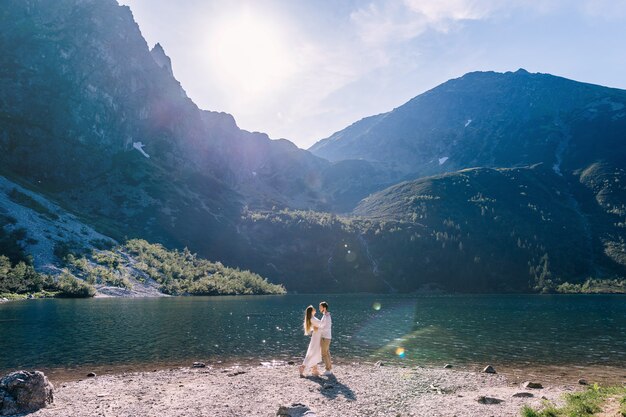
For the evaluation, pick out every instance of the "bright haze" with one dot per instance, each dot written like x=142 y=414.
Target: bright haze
x=303 y=69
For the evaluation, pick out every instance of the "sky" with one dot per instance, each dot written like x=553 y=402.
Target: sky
x=304 y=69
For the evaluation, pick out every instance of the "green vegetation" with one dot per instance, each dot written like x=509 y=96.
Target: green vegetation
x=182 y=272
x=64 y=248
x=594 y=286
x=506 y=229
x=476 y=230
x=582 y=404
x=100 y=270
x=71 y=287
x=177 y=272
x=21 y=279
x=10 y=245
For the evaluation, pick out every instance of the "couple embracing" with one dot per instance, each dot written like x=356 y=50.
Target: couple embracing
x=319 y=346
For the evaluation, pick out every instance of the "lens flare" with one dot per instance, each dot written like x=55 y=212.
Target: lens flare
x=400 y=352
x=376 y=306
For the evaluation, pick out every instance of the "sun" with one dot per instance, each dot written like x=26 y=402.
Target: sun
x=249 y=53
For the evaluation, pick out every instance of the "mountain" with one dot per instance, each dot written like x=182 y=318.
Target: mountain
x=500 y=122
x=96 y=120
x=488 y=119
x=490 y=182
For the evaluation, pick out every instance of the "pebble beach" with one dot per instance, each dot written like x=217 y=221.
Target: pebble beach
x=356 y=389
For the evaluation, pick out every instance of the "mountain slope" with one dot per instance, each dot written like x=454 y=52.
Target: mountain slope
x=502 y=225
x=94 y=119
x=491 y=120
x=476 y=230
x=41 y=228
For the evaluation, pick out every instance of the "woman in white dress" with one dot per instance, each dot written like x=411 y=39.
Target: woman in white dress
x=314 y=352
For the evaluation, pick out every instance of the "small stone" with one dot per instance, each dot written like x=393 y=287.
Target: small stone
x=291 y=363
x=489 y=370
x=296 y=409
x=532 y=385
x=583 y=382
x=91 y=375
x=523 y=395
x=198 y=365
x=488 y=400
x=328 y=386
x=447 y=366
x=379 y=363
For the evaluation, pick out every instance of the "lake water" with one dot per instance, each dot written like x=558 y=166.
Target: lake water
x=511 y=330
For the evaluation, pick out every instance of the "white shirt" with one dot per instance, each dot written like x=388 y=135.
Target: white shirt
x=326 y=325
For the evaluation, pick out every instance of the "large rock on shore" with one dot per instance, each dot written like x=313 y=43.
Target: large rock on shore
x=24 y=392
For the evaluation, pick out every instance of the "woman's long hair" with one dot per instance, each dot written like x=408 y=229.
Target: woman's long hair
x=308 y=313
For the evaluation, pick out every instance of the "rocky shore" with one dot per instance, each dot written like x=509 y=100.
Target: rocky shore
x=353 y=390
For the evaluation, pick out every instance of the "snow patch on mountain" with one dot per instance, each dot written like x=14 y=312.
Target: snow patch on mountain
x=139 y=146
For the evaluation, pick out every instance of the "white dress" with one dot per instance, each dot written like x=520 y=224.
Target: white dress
x=314 y=352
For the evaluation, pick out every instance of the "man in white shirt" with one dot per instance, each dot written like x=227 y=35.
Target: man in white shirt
x=326 y=329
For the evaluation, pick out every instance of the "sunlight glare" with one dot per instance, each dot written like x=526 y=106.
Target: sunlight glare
x=249 y=53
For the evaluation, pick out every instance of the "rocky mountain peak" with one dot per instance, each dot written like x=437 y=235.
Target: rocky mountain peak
x=161 y=58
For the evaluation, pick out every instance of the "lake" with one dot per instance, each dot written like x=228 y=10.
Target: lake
x=512 y=330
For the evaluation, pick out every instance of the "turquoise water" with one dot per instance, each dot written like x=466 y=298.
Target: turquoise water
x=462 y=329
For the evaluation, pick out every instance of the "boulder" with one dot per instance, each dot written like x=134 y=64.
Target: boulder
x=532 y=385
x=24 y=392
x=488 y=400
x=489 y=369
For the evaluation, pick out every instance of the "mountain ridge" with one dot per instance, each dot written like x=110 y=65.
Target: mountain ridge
x=462 y=118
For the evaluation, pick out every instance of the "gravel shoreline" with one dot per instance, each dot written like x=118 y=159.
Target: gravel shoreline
x=354 y=390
